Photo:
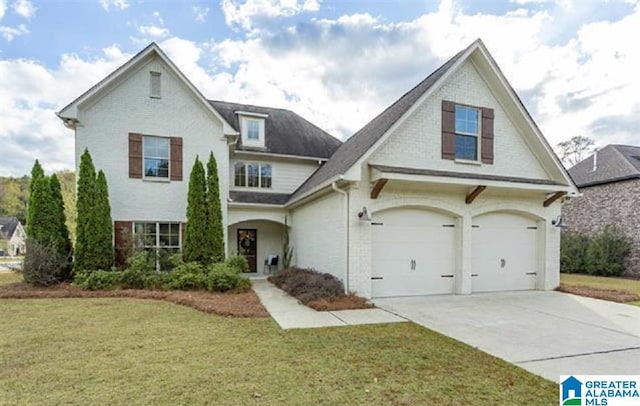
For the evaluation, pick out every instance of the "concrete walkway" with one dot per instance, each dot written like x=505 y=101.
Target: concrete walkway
x=290 y=314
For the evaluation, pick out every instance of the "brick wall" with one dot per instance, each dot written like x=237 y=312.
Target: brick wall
x=611 y=203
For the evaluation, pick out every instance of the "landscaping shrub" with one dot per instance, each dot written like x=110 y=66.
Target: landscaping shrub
x=237 y=263
x=607 y=252
x=98 y=279
x=139 y=268
x=187 y=276
x=573 y=250
x=308 y=285
x=223 y=278
x=43 y=265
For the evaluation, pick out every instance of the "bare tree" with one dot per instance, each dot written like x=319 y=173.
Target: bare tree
x=575 y=150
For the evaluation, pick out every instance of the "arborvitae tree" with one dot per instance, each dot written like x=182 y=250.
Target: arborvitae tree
x=86 y=221
x=215 y=233
x=36 y=173
x=59 y=231
x=103 y=232
x=196 y=246
x=40 y=211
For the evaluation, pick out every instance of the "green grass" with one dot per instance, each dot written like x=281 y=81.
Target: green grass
x=601 y=282
x=125 y=351
x=9 y=277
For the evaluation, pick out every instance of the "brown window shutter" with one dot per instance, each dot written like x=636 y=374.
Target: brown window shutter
x=135 y=156
x=123 y=236
x=176 y=158
x=487 y=136
x=448 y=130
x=183 y=229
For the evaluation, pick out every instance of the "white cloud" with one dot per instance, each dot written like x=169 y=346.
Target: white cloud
x=30 y=95
x=200 y=13
x=3 y=8
x=10 y=33
x=245 y=13
x=25 y=8
x=119 y=4
x=340 y=73
x=153 y=31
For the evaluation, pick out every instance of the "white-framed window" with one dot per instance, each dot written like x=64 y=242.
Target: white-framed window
x=254 y=175
x=157 y=235
x=156 y=152
x=467 y=132
x=155 y=79
x=253 y=130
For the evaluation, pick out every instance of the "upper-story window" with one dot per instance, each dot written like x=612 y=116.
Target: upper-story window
x=156 y=157
x=253 y=129
x=467 y=132
x=252 y=175
x=155 y=85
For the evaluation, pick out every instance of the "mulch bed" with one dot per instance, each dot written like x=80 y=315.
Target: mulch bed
x=598 y=293
x=223 y=304
x=346 y=302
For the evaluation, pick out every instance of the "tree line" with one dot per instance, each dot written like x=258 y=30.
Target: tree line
x=14 y=197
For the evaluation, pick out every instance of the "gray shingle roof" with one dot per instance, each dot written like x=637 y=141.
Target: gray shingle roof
x=259 y=198
x=614 y=163
x=352 y=149
x=285 y=132
x=7 y=226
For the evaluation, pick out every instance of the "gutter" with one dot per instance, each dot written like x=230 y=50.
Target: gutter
x=335 y=187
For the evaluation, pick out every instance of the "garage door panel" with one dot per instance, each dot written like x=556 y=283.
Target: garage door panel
x=411 y=250
x=505 y=253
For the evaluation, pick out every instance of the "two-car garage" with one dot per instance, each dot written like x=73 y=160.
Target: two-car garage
x=418 y=252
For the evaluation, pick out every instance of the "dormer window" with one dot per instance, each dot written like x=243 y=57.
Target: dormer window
x=252 y=128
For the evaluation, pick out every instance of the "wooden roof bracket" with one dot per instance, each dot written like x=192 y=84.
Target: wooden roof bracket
x=474 y=193
x=377 y=188
x=553 y=198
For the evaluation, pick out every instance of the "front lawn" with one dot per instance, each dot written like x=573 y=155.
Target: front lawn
x=127 y=351
x=9 y=277
x=600 y=285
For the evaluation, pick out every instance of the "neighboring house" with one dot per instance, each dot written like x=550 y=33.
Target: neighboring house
x=452 y=189
x=609 y=181
x=12 y=237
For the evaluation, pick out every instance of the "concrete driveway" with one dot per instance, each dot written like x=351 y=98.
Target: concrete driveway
x=547 y=333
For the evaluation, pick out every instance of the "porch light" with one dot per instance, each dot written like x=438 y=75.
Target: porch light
x=559 y=222
x=364 y=215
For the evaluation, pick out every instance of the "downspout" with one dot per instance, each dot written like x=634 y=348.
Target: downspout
x=335 y=187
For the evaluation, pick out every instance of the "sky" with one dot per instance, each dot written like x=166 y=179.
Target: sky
x=338 y=63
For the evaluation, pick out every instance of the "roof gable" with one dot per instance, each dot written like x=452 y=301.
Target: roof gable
x=69 y=113
x=611 y=164
x=8 y=226
x=363 y=143
x=286 y=132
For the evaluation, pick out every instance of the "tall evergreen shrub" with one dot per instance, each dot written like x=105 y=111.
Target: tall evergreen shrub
x=196 y=246
x=86 y=216
x=215 y=232
x=103 y=232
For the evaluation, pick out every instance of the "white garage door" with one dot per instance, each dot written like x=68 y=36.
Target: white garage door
x=413 y=253
x=505 y=253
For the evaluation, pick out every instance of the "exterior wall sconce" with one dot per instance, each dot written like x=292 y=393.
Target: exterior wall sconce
x=559 y=222
x=364 y=215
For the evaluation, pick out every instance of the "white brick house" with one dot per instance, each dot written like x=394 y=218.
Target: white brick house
x=452 y=189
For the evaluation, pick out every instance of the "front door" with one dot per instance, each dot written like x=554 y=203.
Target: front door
x=247 y=247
